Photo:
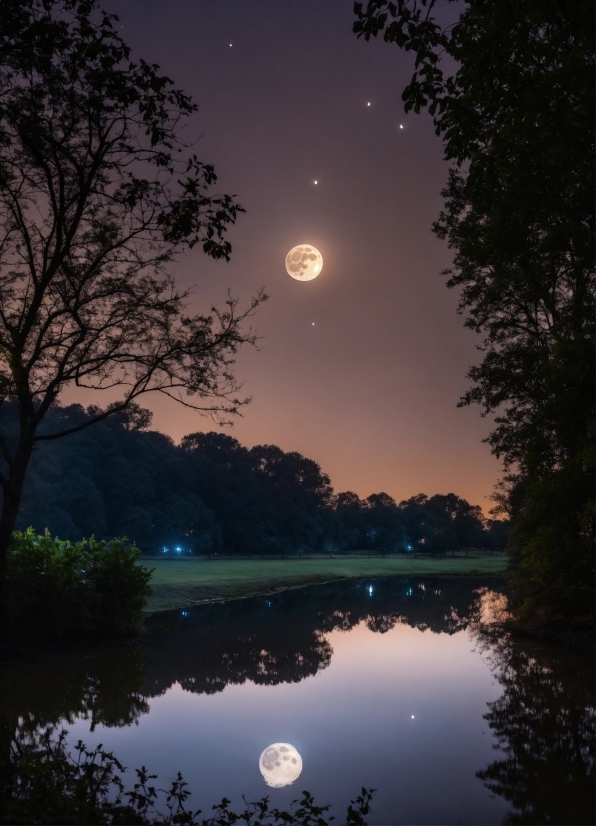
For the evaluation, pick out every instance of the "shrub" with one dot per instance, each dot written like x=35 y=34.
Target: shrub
x=551 y=581
x=59 y=589
x=49 y=785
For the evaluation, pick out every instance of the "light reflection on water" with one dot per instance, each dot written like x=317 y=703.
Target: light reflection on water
x=402 y=689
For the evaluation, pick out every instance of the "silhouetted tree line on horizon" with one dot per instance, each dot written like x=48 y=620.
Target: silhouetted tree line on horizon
x=210 y=493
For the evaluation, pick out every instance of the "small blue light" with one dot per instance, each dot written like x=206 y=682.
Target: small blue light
x=178 y=550
x=185 y=613
x=370 y=589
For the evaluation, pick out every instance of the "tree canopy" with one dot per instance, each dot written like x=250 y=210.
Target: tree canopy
x=509 y=87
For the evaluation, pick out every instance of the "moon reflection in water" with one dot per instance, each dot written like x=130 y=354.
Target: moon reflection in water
x=280 y=765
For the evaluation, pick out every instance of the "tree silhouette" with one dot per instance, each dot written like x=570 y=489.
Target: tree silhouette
x=97 y=195
x=210 y=493
x=510 y=91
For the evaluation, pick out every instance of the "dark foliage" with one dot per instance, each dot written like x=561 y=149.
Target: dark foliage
x=551 y=585
x=545 y=727
x=59 y=589
x=211 y=494
x=510 y=88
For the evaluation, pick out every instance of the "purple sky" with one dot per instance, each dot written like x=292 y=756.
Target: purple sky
x=370 y=391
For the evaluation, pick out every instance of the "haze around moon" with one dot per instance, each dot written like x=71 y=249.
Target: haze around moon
x=304 y=262
x=280 y=765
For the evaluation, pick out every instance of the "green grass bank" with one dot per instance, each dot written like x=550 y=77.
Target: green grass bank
x=177 y=583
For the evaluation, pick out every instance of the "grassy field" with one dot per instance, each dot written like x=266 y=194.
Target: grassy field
x=177 y=583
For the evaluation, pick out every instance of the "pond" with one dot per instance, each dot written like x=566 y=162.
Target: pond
x=398 y=684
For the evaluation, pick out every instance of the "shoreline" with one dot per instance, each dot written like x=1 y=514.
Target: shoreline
x=177 y=584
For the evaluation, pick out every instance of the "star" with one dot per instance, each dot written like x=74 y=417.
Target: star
x=400 y=126
x=316 y=182
x=368 y=104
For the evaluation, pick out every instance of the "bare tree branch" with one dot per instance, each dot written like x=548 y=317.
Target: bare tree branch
x=98 y=195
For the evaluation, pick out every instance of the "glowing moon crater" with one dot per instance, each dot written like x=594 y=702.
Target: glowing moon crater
x=304 y=262
x=280 y=765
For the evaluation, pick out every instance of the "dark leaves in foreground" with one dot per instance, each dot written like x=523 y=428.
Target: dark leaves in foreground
x=48 y=785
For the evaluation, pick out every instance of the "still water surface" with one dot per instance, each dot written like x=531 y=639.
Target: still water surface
x=395 y=684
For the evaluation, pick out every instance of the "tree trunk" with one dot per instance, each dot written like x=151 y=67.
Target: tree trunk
x=13 y=491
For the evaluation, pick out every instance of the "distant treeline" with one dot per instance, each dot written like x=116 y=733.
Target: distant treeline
x=117 y=478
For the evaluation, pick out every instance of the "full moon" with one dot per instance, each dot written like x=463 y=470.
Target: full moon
x=304 y=262
x=280 y=765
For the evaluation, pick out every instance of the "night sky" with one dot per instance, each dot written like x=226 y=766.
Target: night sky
x=369 y=391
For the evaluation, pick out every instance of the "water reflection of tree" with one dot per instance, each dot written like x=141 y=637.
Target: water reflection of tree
x=102 y=687
x=282 y=638
x=544 y=724
x=268 y=640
